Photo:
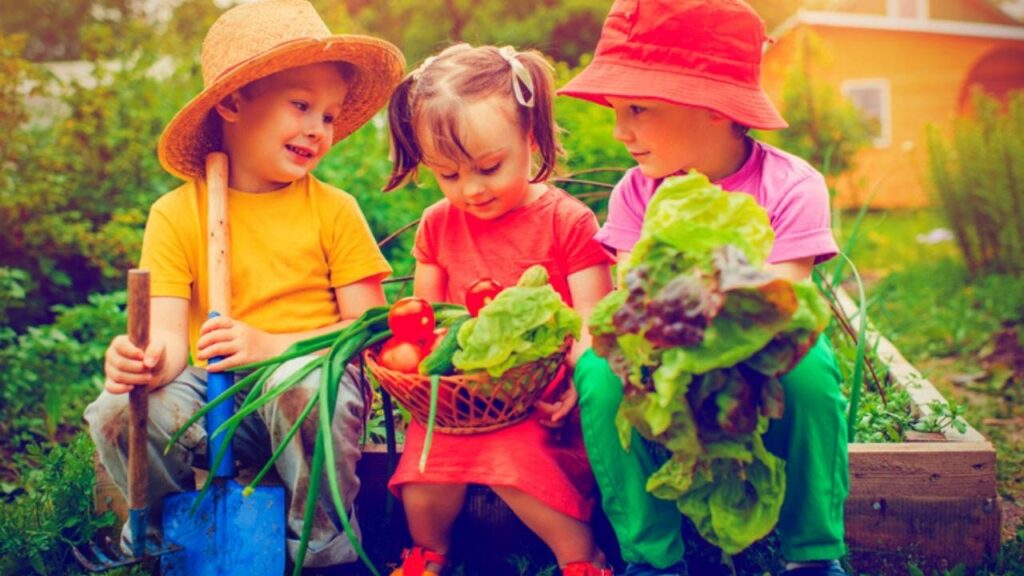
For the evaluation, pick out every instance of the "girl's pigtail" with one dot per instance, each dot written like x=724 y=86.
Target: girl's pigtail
x=405 y=151
x=541 y=115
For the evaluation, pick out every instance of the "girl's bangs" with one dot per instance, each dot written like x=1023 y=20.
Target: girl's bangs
x=443 y=121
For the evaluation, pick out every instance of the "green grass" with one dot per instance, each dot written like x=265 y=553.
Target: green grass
x=887 y=241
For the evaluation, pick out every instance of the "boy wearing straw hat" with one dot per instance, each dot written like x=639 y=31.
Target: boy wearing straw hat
x=279 y=91
x=683 y=77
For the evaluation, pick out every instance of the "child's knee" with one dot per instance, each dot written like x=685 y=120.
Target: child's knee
x=107 y=418
x=170 y=407
x=349 y=411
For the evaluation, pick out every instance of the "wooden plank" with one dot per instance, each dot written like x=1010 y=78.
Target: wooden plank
x=884 y=533
x=926 y=470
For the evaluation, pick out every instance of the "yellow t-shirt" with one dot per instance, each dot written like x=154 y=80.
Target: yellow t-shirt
x=289 y=249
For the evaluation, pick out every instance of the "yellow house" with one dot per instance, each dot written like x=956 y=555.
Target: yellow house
x=906 y=64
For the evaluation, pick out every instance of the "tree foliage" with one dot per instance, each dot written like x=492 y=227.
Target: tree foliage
x=75 y=188
x=58 y=29
x=562 y=29
x=824 y=128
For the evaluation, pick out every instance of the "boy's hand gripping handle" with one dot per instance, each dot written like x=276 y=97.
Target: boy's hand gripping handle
x=219 y=282
x=138 y=413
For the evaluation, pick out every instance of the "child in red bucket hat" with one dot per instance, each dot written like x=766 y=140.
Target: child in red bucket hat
x=683 y=77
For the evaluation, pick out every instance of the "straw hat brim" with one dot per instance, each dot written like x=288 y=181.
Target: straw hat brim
x=746 y=105
x=190 y=136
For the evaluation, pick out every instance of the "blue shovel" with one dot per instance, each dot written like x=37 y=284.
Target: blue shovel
x=225 y=532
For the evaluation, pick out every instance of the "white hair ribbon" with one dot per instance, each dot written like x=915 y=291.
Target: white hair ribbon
x=520 y=76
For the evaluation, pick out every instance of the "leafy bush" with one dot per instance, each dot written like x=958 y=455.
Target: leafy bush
x=39 y=527
x=565 y=30
x=978 y=177
x=12 y=291
x=72 y=204
x=51 y=372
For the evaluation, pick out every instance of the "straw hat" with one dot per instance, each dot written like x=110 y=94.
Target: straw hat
x=254 y=40
x=704 y=53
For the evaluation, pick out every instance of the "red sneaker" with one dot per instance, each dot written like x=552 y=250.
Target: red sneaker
x=415 y=560
x=584 y=569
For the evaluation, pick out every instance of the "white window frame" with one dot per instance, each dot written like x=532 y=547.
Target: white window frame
x=921 y=11
x=884 y=138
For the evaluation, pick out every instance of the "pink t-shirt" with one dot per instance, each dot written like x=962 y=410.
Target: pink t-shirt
x=556 y=230
x=792 y=192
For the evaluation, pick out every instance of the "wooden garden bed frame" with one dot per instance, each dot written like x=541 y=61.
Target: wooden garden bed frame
x=930 y=500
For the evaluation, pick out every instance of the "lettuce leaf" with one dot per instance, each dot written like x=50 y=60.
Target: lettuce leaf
x=523 y=323
x=734 y=503
x=699 y=335
x=694 y=216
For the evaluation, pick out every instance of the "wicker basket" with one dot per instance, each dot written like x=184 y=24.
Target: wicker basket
x=475 y=402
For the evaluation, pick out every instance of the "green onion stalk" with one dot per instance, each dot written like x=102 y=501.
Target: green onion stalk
x=342 y=346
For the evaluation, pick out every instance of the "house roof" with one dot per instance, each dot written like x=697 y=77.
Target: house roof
x=991 y=11
x=838 y=19
x=1006 y=15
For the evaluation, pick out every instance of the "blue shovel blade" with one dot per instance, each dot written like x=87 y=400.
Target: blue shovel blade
x=228 y=534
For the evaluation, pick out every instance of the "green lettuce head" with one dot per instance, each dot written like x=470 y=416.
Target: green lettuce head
x=699 y=333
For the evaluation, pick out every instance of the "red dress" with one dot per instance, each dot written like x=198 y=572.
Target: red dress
x=556 y=231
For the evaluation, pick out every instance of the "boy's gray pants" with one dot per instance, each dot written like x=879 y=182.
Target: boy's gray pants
x=256 y=439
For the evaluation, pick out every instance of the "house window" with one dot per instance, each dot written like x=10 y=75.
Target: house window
x=872 y=98
x=912 y=9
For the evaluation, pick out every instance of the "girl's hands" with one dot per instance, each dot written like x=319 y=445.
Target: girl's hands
x=236 y=342
x=126 y=366
x=553 y=413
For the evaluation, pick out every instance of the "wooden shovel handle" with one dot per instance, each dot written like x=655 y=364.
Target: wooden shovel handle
x=219 y=265
x=138 y=398
x=219 y=291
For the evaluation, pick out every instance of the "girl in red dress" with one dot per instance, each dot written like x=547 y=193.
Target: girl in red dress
x=480 y=119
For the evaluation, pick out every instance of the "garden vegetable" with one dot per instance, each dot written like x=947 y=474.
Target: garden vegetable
x=435 y=340
x=522 y=324
x=412 y=319
x=439 y=361
x=401 y=355
x=699 y=336
x=480 y=293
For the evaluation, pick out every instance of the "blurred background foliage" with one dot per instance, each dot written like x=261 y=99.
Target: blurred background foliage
x=78 y=167
x=79 y=171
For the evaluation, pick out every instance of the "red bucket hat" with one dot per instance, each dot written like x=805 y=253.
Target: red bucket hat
x=704 y=53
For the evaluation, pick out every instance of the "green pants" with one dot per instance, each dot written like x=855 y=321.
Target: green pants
x=811 y=437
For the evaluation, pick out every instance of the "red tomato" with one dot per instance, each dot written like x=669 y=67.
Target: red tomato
x=480 y=293
x=411 y=319
x=401 y=356
x=430 y=345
